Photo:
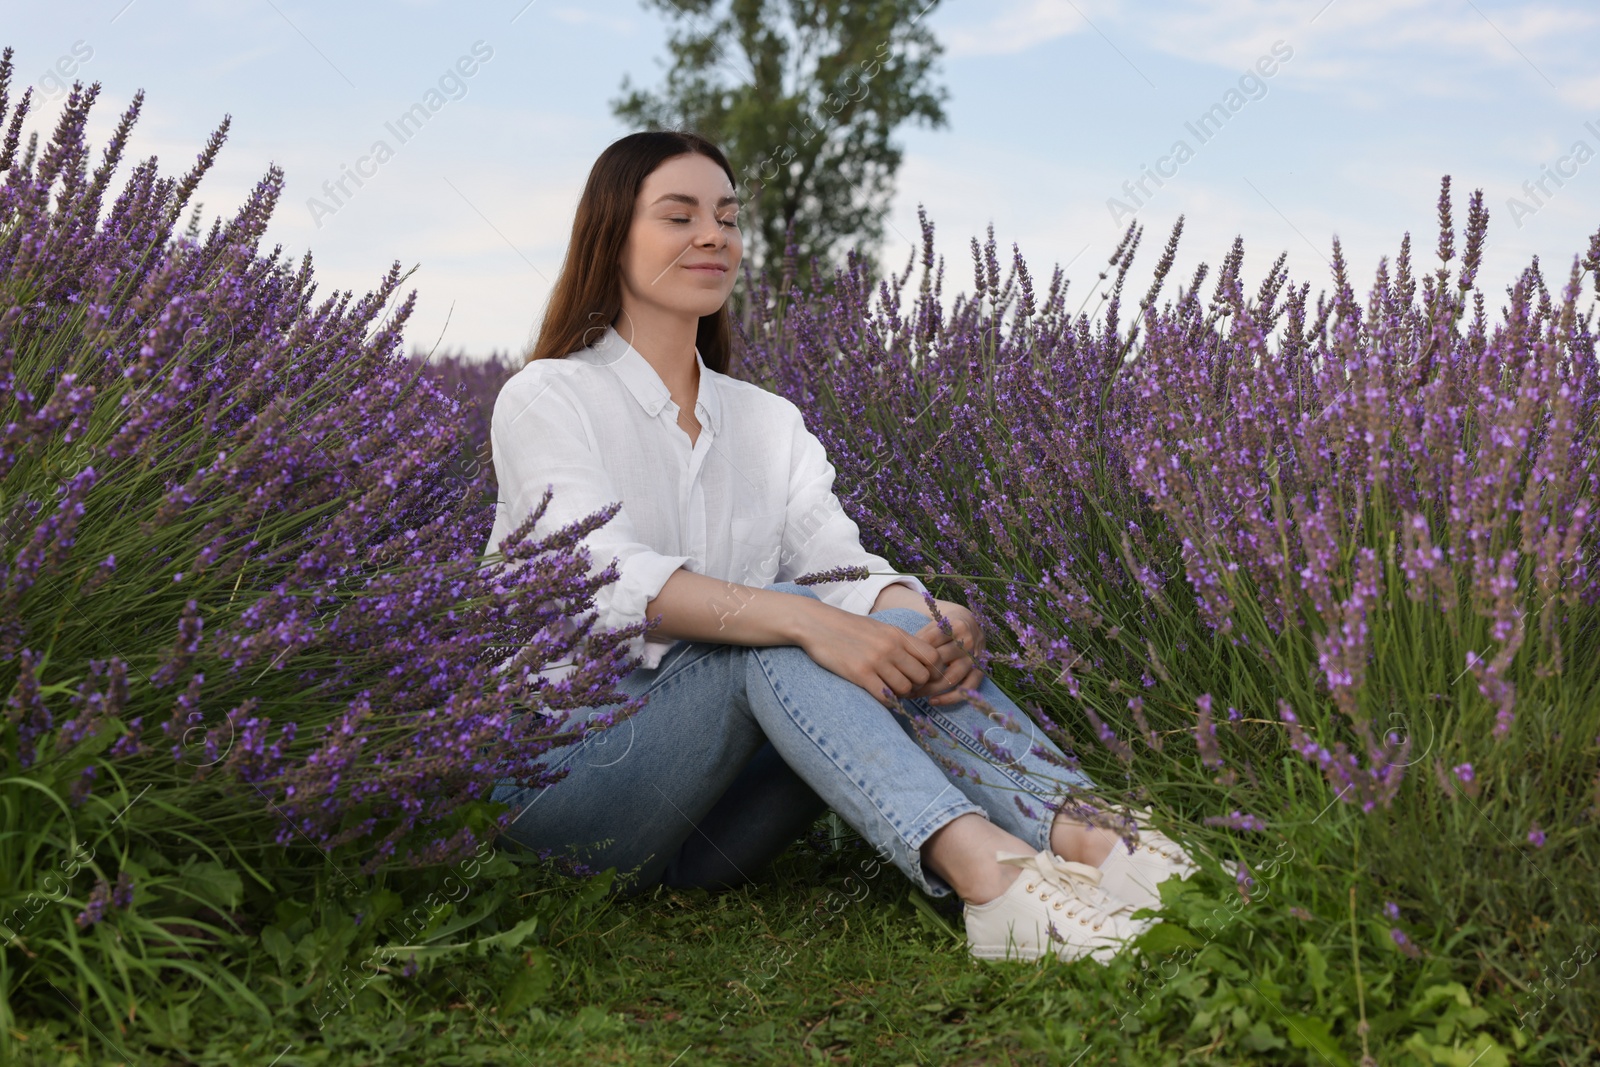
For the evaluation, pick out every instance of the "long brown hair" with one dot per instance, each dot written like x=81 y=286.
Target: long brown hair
x=587 y=295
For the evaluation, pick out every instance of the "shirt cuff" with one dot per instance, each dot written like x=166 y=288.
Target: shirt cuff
x=622 y=603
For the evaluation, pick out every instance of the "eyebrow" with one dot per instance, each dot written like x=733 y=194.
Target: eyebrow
x=694 y=201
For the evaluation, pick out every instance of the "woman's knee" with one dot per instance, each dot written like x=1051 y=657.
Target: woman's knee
x=908 y=619
x=794 y=587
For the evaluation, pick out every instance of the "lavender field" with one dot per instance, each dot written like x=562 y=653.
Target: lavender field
x=1302 y=566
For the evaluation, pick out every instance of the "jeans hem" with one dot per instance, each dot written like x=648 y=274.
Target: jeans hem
x=919 y=875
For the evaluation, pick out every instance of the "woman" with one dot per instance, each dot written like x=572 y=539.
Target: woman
x=767 y=702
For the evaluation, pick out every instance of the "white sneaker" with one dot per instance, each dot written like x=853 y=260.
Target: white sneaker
x=1133 y=877
x=1053 y=905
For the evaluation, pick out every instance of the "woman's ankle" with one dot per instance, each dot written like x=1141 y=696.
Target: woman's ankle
x=962 y=853
x=1080 y=842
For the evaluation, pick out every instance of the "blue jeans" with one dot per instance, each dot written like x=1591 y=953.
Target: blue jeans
x=739 y=749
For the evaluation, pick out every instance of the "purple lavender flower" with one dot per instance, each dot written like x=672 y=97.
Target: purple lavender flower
x=95 y=907
x=933 y=611
x=1403 y=943
x=1205 y=734
x=274 y=517
x=837 y=574
x=1108 y=736
x=1214 y=482
x=1151 y=737
x=1236 y=820
x=1535 y=836
x=81 y=788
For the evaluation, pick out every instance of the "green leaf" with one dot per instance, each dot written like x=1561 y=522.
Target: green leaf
x=278 y=945
x=1261 y=1038
x=289 y=912
x=1311 y=1033
x=932 y=921
x=213 y=884
x=506 y=939
x=1316 y=967
x=1483 y=1052
x=529 y=985
x=509 y=939
x=381 y=903
x=1166 y=937
x=592 y=892
x=1444 y=991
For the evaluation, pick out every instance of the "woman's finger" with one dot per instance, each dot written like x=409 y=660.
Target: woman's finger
x=972 y=636
x=917 y=672
x=891 y=678
x=954 y=664
x=948 y=686
x=971 y=680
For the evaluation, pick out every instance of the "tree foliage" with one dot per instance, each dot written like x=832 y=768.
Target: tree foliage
x=803 y=96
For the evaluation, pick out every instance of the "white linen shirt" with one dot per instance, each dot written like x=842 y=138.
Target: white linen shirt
x=751 y=501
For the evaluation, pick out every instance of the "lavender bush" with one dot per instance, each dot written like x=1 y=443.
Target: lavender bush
x=1312 y=571
x=475 y=383
x=245 y=625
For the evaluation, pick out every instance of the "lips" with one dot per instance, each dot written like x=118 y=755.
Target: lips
x=709 y=268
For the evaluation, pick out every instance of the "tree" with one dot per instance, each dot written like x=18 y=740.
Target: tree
x=803 y=96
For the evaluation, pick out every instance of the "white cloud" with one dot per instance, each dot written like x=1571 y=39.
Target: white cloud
x=1016 y=27
x=1368 y=47
x=574 y=16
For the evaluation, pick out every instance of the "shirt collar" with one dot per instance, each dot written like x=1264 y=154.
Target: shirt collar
x=644 y=383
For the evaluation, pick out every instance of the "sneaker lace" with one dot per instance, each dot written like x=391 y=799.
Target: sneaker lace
x=1066 y=885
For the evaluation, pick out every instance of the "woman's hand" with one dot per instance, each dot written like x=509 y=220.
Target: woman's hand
x=957 y=671
x=874 y=654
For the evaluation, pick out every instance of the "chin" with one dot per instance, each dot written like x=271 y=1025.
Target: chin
x=703 y=307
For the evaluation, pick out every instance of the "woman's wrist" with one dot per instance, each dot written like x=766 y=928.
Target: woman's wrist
x=900 y=595
x=805 y=618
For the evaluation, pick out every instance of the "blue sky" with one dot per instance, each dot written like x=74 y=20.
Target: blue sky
x=1053 y=106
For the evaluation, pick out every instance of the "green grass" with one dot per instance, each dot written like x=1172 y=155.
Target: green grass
x=813 y=964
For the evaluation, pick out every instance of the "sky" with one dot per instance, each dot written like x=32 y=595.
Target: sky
x=1065 y=121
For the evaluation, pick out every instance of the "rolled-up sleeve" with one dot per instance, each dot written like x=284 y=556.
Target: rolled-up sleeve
x=540 y=441
x=818 y=535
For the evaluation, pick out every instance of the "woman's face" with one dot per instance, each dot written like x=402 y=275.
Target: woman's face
x=684 y=246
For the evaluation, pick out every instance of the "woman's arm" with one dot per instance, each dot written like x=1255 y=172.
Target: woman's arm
x=900 y=595
x=698 y=607
x=873 y=654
